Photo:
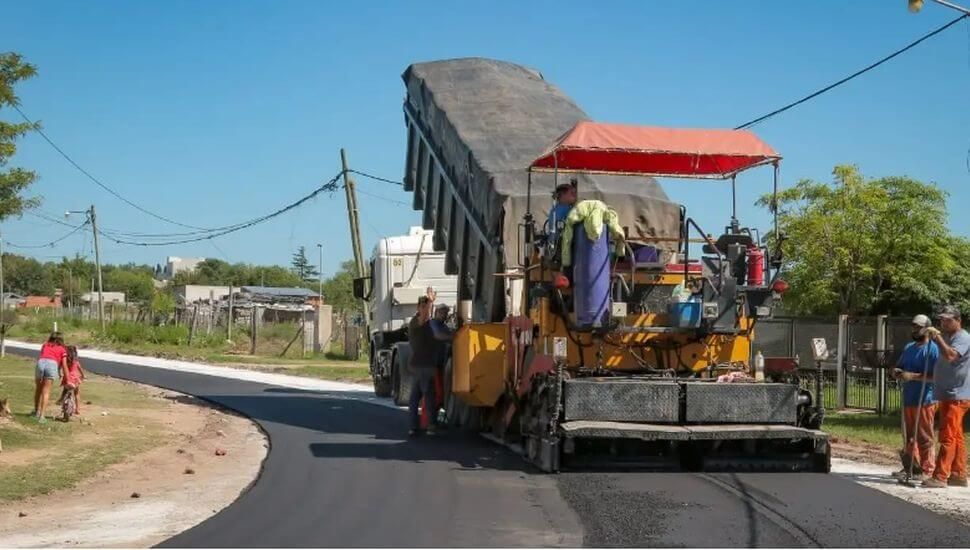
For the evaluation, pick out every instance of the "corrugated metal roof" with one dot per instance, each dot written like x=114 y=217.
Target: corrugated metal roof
x=279 y=291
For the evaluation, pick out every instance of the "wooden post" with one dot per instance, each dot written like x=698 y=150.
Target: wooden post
x=195 y=316
x=229 y=323
x=212 y=311
x=881 y=354
x=255 y=328
x=303 y=336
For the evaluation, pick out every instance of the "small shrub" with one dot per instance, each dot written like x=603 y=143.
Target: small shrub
x=169 y=334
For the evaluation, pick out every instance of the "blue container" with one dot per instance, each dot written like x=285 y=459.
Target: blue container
x=684 y=314
x=591 y=278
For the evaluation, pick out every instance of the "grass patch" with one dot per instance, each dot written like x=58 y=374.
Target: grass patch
x=868 y=428
x=42 y=458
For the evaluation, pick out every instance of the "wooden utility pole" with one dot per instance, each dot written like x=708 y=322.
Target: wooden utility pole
x=353 y=214
x=212 y=311
x=195 y=317
x=229 y=323
x=252 y=341
x=3 y=306
x=97 y=260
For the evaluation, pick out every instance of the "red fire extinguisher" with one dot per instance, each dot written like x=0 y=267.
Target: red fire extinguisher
x=756 y=266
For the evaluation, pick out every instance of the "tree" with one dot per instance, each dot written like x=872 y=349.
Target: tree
x=338 y=291
x=864 y=246
x=302 y=266
x=136 y=284
x=13 y=181
x=27 y=276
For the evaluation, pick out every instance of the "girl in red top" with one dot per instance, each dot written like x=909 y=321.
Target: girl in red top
x=71 y=384
x=49 y=364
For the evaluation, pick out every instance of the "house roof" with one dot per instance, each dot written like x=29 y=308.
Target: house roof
x=280 y=291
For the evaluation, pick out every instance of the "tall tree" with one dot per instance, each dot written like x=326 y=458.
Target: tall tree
x=338 y=291
x=863 y=246
x=302 y=266
x=13 y=181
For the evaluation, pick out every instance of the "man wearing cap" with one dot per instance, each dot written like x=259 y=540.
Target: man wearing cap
x=951 y=387
x=915 y=370
x=566 y=196
x=422 y=362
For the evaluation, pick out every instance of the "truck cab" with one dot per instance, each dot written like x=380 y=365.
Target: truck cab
x=401 y=270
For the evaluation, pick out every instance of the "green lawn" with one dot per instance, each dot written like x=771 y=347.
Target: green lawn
x=864 y=427
x=41 y=458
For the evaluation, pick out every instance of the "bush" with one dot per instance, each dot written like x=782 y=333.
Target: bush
x=126 y=333
x=169 y=334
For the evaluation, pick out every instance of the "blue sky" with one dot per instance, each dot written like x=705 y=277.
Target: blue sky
x=215 y=112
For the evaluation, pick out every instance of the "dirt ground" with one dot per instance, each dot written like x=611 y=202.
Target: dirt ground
x=153 y=495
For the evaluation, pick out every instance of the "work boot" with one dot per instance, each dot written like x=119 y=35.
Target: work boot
x=933 y=483
x=903 y=475
x=957 y=481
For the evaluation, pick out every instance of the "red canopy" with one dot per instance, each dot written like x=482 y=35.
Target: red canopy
x=593 y=147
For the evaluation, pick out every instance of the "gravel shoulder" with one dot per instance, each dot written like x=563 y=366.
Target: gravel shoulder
x=208 y=459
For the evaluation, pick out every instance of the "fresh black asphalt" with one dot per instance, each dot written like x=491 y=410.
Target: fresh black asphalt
x=340 y=472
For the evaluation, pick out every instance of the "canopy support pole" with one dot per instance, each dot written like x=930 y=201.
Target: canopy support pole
x=734 y=201
x=774 y=213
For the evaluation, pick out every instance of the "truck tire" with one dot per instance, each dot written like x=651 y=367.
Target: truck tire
x=401 y=377
x=382 y=387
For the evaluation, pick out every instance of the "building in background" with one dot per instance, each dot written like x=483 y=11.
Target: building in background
x=42 y=302
x=193 y=294
x=175 y=265
x=109 y=297
x=13 y=300
x=299 y=298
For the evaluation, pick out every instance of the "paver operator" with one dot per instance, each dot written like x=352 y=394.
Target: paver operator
x=951 y=387
x=919 y=355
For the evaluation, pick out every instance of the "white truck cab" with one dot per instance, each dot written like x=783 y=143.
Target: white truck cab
x=401 y=270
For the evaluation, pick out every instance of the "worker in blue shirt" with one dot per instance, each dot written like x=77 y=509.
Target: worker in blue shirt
x=566 y=195
x=919 y=406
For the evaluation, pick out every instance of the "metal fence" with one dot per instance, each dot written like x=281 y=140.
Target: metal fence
x=863 y=352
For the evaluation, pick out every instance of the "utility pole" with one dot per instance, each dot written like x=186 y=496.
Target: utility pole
x=353 y=214
x=92 y=217
x=3 y=306
x=97 y=260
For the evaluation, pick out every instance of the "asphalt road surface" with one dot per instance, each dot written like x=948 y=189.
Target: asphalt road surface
x=340 y=472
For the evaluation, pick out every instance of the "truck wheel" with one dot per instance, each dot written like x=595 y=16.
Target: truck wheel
x=382 y=387
x=403 y=381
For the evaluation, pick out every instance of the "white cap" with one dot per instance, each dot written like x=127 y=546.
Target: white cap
x=921 y=320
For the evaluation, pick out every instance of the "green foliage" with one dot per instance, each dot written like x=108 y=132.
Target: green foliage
x=27 y=276
x=338 y=290
x=218 y=272
x=302 y=266
x=135 y=282
x=13 y=181
x=162 y=303
x=866 y=246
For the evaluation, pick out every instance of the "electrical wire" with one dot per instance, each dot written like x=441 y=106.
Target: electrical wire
x=387 y=199
x=860 y=72
x=378 y=178
x=121 y=238
x=99 y=183
x=51 y=243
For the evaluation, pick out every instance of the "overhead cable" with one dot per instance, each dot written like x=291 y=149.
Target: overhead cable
x=860 y=72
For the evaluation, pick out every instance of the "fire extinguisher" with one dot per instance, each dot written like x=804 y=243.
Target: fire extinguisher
x=756 y=266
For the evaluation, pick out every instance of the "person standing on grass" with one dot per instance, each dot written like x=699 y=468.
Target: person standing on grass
x=951 y=387
x=50 y=363
x=919 y=355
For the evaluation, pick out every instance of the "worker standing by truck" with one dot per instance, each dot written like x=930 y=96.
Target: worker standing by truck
x=951 y=386
x=915 y=370
x=425 y=339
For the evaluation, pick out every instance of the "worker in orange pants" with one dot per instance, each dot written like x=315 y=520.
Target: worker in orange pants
x=951 y=387
x=914 y=370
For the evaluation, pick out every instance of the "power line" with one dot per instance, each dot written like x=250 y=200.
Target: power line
x=376 y=196
x=378 y=178
x=50 y=244
x=813 y=95
x=36 y=128
x=329 y=186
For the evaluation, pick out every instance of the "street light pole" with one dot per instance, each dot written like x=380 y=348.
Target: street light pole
x=916 y=5
x=320 y=272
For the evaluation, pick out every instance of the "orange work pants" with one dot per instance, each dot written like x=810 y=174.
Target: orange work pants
x=919 y=443
x=952 y=459
x=426 y=410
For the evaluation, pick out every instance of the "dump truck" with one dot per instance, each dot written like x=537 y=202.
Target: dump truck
x=623 y=337
x=401 y=270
